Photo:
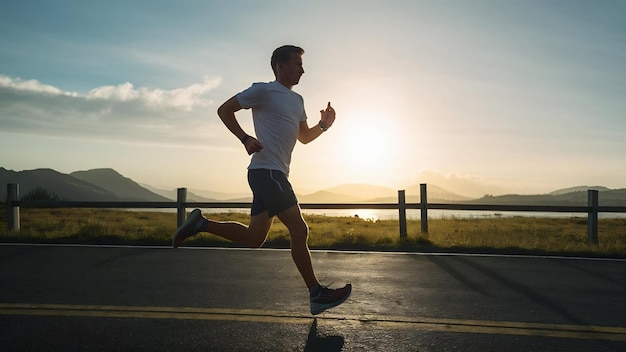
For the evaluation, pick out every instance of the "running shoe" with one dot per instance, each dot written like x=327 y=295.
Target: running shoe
x=188 y=228
x=328 y=298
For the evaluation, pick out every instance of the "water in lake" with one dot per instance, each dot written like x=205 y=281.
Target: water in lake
x=414 y=214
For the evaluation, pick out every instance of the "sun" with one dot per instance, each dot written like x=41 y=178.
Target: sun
x=369 y=147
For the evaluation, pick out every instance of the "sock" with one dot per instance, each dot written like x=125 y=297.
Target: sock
x=202 y=224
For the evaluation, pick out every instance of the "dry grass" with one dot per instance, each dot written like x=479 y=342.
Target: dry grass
x=555 y=235
x=516 y=234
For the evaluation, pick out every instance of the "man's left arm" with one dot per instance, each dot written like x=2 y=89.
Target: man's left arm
x=308 y=134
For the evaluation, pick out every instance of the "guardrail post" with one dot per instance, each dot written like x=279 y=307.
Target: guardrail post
x=592 y=217
x=13 y=211
x=424 y=208
x=402 y=213
x=181 y=198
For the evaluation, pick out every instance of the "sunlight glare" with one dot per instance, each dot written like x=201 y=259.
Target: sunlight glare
x=373 y=147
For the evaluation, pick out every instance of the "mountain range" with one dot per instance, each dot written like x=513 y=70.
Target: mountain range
x=109 y=185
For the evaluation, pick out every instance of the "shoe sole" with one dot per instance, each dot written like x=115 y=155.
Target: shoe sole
x=190 y=219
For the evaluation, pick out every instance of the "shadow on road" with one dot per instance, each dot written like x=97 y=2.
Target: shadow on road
x=322 y=343
x=594 y=273
x=525 y=290
x=458 y=275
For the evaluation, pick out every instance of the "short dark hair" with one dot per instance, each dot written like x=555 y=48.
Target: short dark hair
x=283 y=54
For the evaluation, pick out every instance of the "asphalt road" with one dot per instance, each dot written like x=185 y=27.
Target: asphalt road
x=77 y=298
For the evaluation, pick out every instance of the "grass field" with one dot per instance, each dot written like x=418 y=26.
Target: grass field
x=500 y=234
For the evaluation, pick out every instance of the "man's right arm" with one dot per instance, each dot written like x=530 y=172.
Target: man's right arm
x=226 y=112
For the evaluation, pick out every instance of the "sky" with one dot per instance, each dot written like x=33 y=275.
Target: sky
x=476 y=96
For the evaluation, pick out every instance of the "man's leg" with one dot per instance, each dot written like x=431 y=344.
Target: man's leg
x=321 y=298
x=253 y=235
x=299 y=231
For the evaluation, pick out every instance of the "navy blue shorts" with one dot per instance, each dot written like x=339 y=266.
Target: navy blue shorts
x=271 y=192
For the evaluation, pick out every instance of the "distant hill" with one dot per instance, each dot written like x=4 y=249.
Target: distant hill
x=124 y=188
x=109 y=185
x=328 y=197
x=578 y=189
x=173 y=194
x=351 y=193
x=434 y=192
x=222 y=196
x=615 y=197
x=91 y=185
x=377 y=194
x=360 y=192
x=607 y=197
x=65 y=186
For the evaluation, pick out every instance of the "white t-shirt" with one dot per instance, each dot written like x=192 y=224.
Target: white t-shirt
x=276 y=112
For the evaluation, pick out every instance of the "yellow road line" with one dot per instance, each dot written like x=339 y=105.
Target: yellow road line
x=611 y=333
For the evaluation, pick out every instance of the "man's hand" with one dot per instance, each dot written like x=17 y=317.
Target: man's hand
x=253 y=145
x=328 y=116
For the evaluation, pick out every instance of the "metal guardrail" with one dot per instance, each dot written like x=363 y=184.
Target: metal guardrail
x=592 y=209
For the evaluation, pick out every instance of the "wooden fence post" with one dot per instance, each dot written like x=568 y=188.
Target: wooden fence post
x=402 y=213
x=592 y=217
x=181 y=198
x=13 y=211
x=424 y=208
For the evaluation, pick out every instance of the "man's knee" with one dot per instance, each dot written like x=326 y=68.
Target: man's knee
x=299 y=233
x=256 y=239
x=258 y=230
x=292 y=219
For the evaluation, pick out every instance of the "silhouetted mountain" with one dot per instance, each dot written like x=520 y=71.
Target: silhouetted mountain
x=360 y=192
x=92 y=185
x=327 y=197
x=109 y=185
x=435 y=194
x=606 y=197
x=173 y=194
x=615 y=197
x=222 y=196
x=378 y=194
x=65 y=186
x=578 y=189
x=124 y=188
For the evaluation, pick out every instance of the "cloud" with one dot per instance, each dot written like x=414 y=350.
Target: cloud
x=31 y=85
x=183 y=98
x=114 y=113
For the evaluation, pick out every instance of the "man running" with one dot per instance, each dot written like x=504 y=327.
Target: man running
x=279 y=120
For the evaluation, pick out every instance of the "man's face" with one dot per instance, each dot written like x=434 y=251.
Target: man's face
x=291 y=71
